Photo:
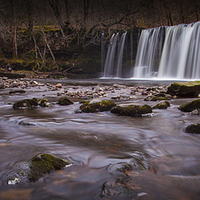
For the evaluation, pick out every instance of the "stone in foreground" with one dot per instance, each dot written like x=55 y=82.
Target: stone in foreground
x=193 y=128
x=132 y=110
x=187 y=89
x=42 y=164
x=97 y=107
x=189 y=107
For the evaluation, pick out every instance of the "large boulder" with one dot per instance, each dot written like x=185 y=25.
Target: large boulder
x=64 y=101
x=132 y=110
x=189 y=107
x=25 y=103
x=187 y=89
x=43 y=164
x=88 y=107
x=193 y=128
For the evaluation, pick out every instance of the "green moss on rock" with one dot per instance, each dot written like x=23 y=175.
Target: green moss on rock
x=97 y=107
x=132 y=110
x=64 y=101
x=187 y=89
x=189 y=107
x=17 y=91
x=193 y=128
x=44 y=164
x=162 y=105
x=25 y=103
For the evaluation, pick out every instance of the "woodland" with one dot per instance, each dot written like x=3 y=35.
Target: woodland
x=65 y=36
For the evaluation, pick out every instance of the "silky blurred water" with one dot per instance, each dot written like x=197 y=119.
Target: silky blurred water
x=97 y=144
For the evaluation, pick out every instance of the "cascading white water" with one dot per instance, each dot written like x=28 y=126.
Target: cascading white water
x=113 y=63
x=163 y=52
x=180 y=55
x=120 y=55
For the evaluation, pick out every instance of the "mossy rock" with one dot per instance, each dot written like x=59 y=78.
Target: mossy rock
x=44 y=103
x=26 y=103
x=97 y=107
x=132 y=110
x=189 y=107
x=187 y=89
x=17 y=91
x=193 y=128
x=64 y=101
x=44 y=164
x=157 y=97
x=162 y=105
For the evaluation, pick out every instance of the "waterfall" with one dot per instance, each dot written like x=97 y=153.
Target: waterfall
x=114 y=57
x=170 y=52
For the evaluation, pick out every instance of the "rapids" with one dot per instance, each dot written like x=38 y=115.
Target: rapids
x=98 y=144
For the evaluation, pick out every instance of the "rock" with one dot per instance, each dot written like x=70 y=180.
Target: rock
x=187 y=89
x=64 y=101
x=59 y=85
x=195 y=112
x=26 y=103
x=162 y=105
x=115 y=97
x=156 y=98
x=44 y=163
x=17 y=91
x=119 y=86
x=193 y=128
x=189 y=107
x=44 y=103
x=97 y=107
x=132 y=110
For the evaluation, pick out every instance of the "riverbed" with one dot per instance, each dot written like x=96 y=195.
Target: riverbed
x=164 y=159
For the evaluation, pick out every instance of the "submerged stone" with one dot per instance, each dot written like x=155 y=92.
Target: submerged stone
x=44 y=164
x=25 y=103
x=162 y=105
x=97 y=107
x=187 y=89
x=64 y=101
x=189 y=107
x=132 y=110
x=193 y=128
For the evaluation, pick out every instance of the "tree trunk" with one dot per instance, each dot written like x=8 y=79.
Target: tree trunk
x=52 y=55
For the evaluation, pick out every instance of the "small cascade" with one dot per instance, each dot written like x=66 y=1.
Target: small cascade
x=149 y=51
x=163 y=52
x=114 y=57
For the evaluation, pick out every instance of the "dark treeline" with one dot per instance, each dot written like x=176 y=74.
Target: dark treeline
x=39 y=30
x=89 y=13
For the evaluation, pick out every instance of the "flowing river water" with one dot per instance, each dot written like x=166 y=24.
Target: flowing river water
x=98 y=144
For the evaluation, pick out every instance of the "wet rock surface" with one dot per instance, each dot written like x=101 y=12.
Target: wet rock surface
x=25 y=103
x=63 y=101
x=132 y=110
x=193 y=128
x=190 y=106
x=162 y=105
x=44 y=164
x=185 y=89
x=90 y=107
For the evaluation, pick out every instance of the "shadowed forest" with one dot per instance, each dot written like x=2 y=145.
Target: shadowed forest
x=66 y=35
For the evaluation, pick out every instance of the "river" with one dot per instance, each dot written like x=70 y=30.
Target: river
x=165 y=159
